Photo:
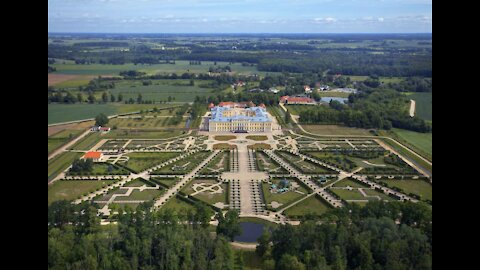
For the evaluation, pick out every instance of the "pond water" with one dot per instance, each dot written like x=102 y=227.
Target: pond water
x=328 y=99
x=250 y=232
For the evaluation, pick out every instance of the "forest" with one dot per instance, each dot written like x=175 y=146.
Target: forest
x=380 y=235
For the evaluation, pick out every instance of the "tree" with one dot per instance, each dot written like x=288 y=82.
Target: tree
x=112 y=98
x=229 y=225
x=101 y=120
x=80 y=97
x=192 y=82
x=120 y=98
x=139 y=98
x=289 y=262
x=91 y=98
x=104 y=97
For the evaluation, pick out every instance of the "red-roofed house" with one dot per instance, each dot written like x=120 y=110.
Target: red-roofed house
x=95 y=156
x=262 y=105
x=211 y=105
x=243 y=104
x=297 y=100
x=105 y=129
x=307 y=89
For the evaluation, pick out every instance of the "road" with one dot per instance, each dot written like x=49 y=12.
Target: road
x=412 y=108
x=67 y=145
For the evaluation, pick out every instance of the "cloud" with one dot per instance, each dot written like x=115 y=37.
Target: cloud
x=381 y=19
x=325 y=20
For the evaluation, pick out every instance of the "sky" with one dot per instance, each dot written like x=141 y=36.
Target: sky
x=240 y=16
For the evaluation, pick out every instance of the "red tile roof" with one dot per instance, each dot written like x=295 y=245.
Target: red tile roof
x=94 y=155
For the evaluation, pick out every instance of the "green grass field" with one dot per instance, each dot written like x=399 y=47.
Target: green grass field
x=180 y=67
x=142 y=161
x=58 y=113
x=312 y=205
x=138 y=195
x=423 y=105
x=70 y=190
x=346 y=194
x=349 y=183
x=87 y=142
x=421 y=141
x=418 y=187
x=283 y=198
x=178 y=206
x=335 y=130
x=60 y=163
x=142 y=134
x=61 y=138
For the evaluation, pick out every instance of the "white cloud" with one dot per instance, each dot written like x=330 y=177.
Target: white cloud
x=381 y=19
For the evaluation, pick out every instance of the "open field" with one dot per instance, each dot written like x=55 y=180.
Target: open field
x=349 y=183
x=61 y=138
x=161 y=90
x=68 y=81
x=225 y=137
x=58 y=113
x=423 y=104
x=335 y=130
x=353 y=194
x=52 y=130
x=70 y=190
x=180 y=67
x=420 y=141
x=60 y=163
x=312 y=205
x=418 y=187
x=333 y=94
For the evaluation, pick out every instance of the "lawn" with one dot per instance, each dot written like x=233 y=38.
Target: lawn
x=104 y=169
x=349 y=194
x=283 y=198
x=225 y=137
x=312 y=205
x=146 y=123
x=421 y=141
x=169 y=182
x=335 y=130
x=383 y=196
x=70 y=190
x=184 y=166
x=210 y=198
x=347 y=182
x=257 y=137
x=141 y=161
x=259 y=146
x=143 y=134
x=178 y=206
x=87 y=142
x=145 y=195
x=418 y=187
x=60 y=163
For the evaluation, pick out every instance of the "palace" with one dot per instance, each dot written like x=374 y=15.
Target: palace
x=233 y=118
